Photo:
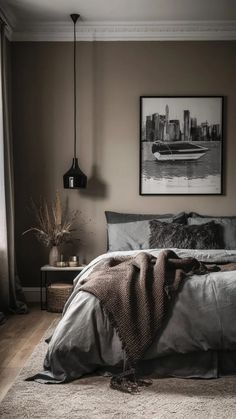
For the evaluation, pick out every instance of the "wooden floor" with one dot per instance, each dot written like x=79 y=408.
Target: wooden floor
x=18 y=338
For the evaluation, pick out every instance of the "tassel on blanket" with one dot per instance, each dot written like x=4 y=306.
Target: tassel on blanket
x=127 y=382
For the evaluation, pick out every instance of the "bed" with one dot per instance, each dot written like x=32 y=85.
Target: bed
x=199 y=338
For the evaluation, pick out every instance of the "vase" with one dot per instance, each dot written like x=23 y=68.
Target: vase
x=54 y=256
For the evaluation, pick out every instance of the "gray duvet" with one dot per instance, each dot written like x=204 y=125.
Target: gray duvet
x=201 y=322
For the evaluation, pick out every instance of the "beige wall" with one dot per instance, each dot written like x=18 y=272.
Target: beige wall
x=112 y=76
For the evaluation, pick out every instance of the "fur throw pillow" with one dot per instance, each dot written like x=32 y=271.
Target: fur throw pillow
x=169 y=235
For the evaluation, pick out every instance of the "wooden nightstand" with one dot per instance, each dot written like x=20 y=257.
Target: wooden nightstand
x=44 y=281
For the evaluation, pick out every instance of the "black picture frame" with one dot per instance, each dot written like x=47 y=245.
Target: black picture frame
x=188 y=148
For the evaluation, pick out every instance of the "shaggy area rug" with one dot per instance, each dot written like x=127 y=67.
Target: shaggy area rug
x=91 y=397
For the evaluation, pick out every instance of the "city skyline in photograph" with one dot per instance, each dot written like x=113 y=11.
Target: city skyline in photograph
x=181 y=119
x=209 y=110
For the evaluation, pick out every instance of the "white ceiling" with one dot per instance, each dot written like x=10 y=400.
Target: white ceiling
x=121 y=19
x=121 y=10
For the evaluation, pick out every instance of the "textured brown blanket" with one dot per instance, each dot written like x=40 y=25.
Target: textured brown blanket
x=135 y=293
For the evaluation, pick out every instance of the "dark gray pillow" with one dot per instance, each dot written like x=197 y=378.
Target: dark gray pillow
x=117 y=217
x=164 y=235
x=228 y=225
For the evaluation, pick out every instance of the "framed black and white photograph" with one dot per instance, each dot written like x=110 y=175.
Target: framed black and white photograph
x=181 y=145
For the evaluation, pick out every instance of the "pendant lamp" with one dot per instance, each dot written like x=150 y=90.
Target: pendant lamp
x=74 y=178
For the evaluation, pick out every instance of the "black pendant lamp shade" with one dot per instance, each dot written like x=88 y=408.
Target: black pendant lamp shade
x=74 y=178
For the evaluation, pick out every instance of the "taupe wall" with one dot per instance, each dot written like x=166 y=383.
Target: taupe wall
x=112 y=76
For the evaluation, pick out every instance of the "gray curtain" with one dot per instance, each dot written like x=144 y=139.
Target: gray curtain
x=11 y=294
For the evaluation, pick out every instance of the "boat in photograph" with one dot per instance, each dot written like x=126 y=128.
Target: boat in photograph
x=177 y=150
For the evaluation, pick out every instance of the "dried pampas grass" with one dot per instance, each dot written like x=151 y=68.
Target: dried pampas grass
x=54 y=222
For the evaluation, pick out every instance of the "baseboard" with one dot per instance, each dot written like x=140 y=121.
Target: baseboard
x=32 y=294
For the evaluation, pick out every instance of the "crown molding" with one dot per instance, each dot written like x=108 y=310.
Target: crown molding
x=18 y=30
x=127 y=31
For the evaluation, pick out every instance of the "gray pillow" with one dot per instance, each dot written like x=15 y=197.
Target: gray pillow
x=130 y=236
x=117 y=217
x=196 y=215
x=164 y=235
x=228 y=225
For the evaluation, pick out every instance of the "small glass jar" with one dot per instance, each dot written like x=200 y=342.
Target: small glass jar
x=73 y=261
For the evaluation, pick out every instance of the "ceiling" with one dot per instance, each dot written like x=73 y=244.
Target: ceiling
x=121 y=19
x=121 y=10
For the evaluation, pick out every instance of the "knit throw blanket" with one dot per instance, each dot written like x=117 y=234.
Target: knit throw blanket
x=136 y=291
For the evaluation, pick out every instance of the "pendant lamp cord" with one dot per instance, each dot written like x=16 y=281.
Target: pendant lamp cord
x=75 y=102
